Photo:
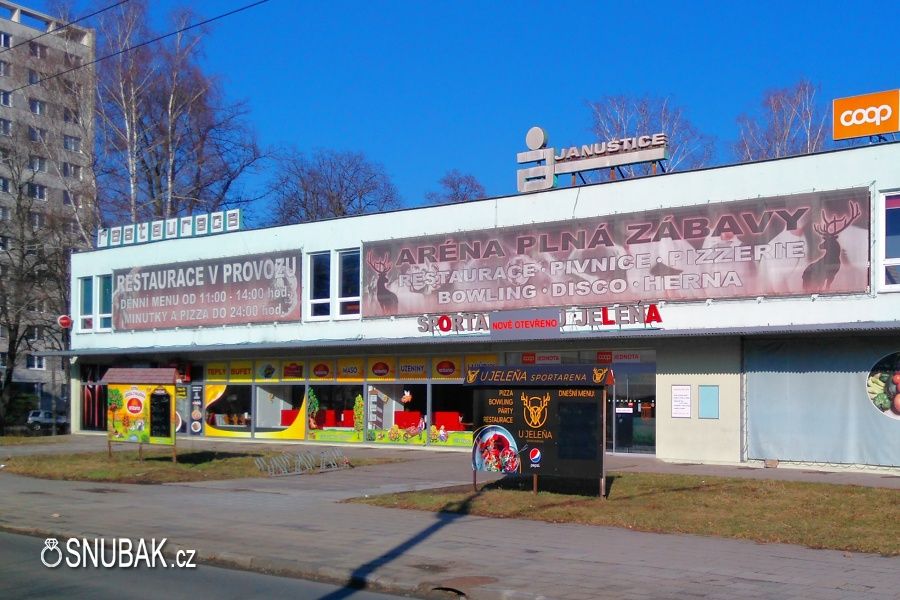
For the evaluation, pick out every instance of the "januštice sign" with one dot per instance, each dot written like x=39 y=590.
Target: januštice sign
x=587 y=157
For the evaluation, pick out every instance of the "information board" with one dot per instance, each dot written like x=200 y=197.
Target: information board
x=540 y=431
x=140 y=413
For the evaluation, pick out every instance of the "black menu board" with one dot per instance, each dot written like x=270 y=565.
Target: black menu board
x=160 y=414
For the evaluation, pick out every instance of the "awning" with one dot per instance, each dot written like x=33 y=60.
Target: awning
x=457 y=340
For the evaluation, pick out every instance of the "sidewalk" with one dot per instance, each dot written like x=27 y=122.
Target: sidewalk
x=297 y=526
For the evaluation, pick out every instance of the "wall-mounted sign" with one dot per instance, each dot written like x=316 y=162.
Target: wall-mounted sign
x=179 y=227
x=540 y=323
x=869 y=114
x=681 y=401
x=261 y=288
x=588 y=157
x=454 y=323
x=812 y=243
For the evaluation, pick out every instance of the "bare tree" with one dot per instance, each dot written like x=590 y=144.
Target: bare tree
x=616 y=117
x=170 y=142
x=456 y=187
x=792 y=121
x=328 y=184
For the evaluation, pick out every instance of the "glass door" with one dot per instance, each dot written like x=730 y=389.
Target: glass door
x=631 y=409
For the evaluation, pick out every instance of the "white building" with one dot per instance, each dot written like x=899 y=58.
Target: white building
x=774 y=283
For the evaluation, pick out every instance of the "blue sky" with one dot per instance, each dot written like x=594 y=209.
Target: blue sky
x=423 y=87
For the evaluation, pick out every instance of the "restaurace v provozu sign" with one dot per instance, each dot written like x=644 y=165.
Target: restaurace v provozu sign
x=762 y=247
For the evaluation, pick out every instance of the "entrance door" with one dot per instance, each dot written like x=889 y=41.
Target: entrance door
x=631 y=409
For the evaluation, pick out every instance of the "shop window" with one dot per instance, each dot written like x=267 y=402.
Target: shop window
x=891 y=280
x=86 y=306
x=320 y=285
x=231 y=411
x=348 y=282
x=277 y=406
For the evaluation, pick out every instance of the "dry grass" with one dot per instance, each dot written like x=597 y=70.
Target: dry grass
x=157 y=467
x=817 y=515
x=18 y=440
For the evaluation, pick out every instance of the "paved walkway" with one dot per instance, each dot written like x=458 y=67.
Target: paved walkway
x=298 y=526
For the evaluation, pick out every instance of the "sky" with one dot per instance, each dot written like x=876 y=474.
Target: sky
x=425 y=87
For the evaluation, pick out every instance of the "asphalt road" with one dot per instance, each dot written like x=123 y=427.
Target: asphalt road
x=22 y=576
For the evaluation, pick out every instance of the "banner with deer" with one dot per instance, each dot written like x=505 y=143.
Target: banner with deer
x=812 y=243
x=261 y=288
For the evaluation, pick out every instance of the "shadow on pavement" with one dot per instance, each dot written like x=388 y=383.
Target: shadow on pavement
x=358 y=580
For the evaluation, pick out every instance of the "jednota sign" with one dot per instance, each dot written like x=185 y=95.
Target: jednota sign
x=869 y=114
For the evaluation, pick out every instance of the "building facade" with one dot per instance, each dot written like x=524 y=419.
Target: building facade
x=749 y=312
x=46 y=189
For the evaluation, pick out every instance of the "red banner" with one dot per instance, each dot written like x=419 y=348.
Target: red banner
x=814 y=243
x=261 y=288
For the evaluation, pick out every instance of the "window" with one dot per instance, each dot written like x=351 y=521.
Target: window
x=5 y=127
x=33 y=76
x=34 y=362
x=3 y=359
x=4 y=242
x=37 y=50
x=72 y=143
x=37 y=163
x=35 y=134
x=32 y=333
x=892 y=242
x=348 y=282
x=5 y=40
x=4 y=210
x=4 y=187
x=38 y=107
x=320 y=285
x=70 y=115
x=4 y=69
x=86 y=306
x=71 y=198
x=37 y=219
x=5 y=98
x=37 y=191
x=73 y=61
x=105 y=301
x=70 y=170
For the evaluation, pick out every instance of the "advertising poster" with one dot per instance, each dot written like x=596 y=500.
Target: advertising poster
x=261 y=288
x=812 y=243
x=143 y=414
x=545 y=420
x=196 y=410
x=681 y=402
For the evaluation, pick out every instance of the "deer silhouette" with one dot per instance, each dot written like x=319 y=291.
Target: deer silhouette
x=386 y=298
x=535 y=414
x=819 y=275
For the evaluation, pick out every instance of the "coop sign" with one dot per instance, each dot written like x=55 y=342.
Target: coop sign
x=587 y=157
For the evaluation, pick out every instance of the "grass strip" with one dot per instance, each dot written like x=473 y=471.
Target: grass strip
x=817 y=515
x=157 y=466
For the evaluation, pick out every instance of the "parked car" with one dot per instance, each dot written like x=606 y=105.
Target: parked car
x=43 y=419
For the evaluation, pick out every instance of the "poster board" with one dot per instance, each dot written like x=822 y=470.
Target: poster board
x=541 y=420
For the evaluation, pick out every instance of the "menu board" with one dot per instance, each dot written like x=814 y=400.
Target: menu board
x=160 y=414
x=539 y=430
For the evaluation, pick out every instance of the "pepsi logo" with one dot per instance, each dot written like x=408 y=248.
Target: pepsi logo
x=380 y=369
x=535 y=456
x=321 y=370
x=445 y=367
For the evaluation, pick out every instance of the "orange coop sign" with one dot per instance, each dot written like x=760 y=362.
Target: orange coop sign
x=869 y=114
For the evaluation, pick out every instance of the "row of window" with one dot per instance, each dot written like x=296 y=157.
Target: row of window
x=32 y=361
x=71 y=143
x=40 y=107
x=39 y=191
